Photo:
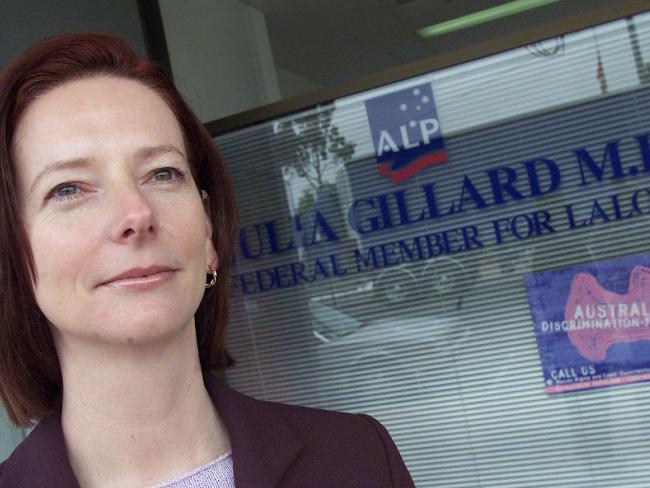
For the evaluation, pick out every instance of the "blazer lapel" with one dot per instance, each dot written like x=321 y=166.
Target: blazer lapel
x=41 y=459
x=263 y=445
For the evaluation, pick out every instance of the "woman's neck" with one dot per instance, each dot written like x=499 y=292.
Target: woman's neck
x=137 y=415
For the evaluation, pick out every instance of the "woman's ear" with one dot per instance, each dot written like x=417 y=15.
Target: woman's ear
x=205 y=200
x=210 y=251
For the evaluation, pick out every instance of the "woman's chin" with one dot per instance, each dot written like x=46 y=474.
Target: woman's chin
x=152 y=318
x=142 y=334
x=131 y=331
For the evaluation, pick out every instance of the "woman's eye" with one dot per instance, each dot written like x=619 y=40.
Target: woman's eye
x=166 y=174
x=65 y=191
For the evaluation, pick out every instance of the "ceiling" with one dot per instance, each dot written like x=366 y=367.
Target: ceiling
x=330 y=42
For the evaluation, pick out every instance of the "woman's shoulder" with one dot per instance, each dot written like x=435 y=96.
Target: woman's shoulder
x=352 y=434
x=358 y=427
x=346 y=448
x=307 y=422
x=40 y=459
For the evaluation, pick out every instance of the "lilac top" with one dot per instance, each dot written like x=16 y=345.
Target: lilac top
x=215 y=474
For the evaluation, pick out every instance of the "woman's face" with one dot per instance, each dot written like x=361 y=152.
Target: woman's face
x=118 y=231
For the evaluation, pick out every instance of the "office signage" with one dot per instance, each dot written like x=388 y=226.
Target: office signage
x=514 y=187
x=406 y=132
x=592 y=323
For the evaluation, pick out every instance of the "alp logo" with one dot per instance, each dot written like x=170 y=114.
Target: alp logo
x=405 y=132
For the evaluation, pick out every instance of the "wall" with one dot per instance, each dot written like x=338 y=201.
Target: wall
x=225 y=66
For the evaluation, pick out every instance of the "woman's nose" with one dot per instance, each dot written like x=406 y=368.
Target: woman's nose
x=134 y=218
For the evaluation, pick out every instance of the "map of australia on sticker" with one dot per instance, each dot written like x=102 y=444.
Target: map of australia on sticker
x=592 y=323
x=600 y=318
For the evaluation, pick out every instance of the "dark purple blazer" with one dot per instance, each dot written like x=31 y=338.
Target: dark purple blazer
x=273 y=445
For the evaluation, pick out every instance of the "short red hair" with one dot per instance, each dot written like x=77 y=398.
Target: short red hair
x=30 y=376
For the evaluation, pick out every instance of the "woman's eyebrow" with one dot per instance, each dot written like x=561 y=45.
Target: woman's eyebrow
x=147 y=152
x=151 y=151
x=58 y=166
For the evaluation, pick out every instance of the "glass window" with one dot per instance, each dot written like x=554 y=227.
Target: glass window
x=406 y=251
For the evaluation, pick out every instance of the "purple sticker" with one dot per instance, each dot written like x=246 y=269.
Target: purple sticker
x=592 y=323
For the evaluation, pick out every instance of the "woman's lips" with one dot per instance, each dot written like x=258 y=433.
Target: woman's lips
x=142 y=283
x=141 y=279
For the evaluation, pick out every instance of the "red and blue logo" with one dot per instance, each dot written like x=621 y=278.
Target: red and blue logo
x=406 y=132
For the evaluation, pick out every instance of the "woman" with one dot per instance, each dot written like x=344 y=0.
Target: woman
x=117 y=223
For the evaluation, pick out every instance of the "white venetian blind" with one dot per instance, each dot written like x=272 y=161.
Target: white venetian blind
x=442 y=349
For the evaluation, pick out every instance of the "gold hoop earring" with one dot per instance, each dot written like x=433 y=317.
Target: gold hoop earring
x=213 y=281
